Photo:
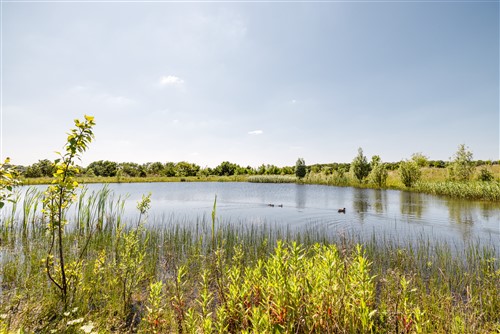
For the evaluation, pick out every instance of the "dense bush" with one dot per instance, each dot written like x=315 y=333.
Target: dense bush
x=409 y=173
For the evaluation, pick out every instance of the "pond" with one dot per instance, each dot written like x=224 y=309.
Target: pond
x=391 y=213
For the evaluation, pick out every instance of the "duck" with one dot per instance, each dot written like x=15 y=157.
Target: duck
x=341 y=210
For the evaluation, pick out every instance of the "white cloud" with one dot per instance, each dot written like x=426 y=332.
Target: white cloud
x=256 y=132
x=171 y=80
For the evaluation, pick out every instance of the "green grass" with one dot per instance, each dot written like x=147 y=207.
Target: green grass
x=177 y=276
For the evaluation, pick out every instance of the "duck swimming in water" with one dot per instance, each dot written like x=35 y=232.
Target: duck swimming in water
x=341 y=210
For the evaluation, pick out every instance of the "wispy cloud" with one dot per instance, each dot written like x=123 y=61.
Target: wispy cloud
x=116 y=101
x=171 y=80
x=256 y=132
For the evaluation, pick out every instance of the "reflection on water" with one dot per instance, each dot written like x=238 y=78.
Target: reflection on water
x=411 y=204
x=392 y=213
x=360 y=203
x=380 y=203
x=300 y=196
x=462 y=214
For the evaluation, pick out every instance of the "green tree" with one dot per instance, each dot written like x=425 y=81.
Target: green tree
x=170 y=169
x=103 y=168
x=226 y=168
x=33 y=171
x=360 y=167
x=300 y=168
x=462 y=166
x=155 y=168
x=272 y=170
x=420 y=159
x=378 y=174
x=287 y=170
x=41 y=168
x=129 y=168
x=409 y=173
x=187 y=169
x=261 y=170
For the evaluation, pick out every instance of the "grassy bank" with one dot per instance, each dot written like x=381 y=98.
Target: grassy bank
x=212 y=276
x=115 y=179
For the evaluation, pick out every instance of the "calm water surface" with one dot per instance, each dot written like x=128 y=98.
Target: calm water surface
x=392 y=213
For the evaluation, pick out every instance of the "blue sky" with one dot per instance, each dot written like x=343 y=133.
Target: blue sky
x=251 y=83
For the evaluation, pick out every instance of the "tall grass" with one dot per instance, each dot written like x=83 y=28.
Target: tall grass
x=467 y=190
x=174 y=276
x=272 y=179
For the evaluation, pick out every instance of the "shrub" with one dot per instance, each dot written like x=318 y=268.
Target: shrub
x=485 y=175
x=409 y=172
x=462 y=166
x=379 y=174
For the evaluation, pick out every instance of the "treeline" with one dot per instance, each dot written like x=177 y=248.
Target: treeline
x=105 y=168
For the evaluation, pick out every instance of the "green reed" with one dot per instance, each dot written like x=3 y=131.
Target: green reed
x=272 y=179
x=467 y=190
